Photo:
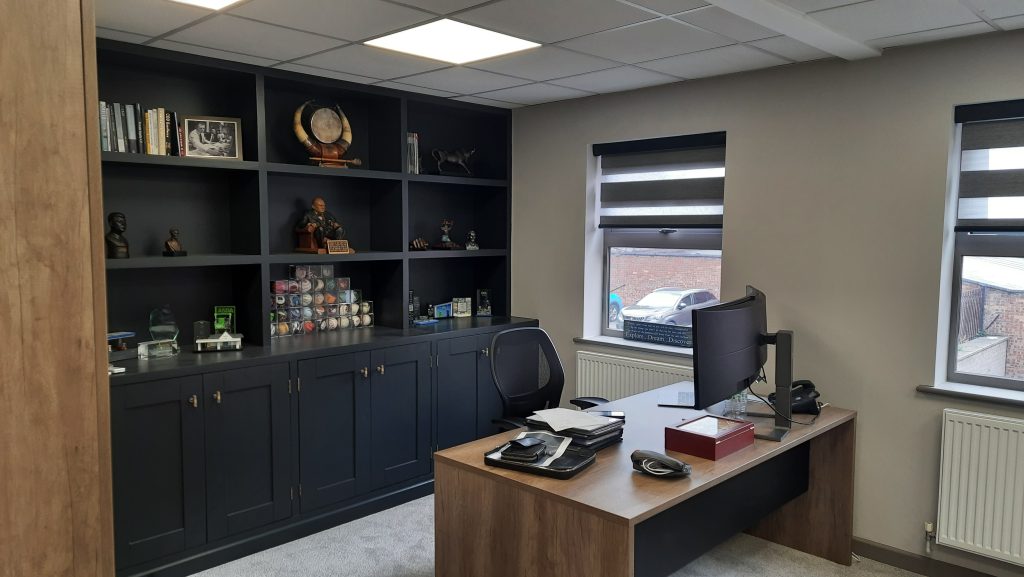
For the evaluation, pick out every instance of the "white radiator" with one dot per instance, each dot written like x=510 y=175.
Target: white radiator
x=613 y=377
x=981 y=485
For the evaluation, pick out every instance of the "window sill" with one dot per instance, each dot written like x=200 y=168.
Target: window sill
x=975 y=393
x=620 y=343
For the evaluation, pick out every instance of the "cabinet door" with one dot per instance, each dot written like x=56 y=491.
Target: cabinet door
x=159 y=490
x=488 y=400
x=456 y=391
x=333 y=429
x=400 y=413
x=247 y=448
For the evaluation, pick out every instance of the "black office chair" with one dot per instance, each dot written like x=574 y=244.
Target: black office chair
x=528 y=375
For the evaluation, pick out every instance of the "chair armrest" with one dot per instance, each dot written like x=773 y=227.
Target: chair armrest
x=588 y=402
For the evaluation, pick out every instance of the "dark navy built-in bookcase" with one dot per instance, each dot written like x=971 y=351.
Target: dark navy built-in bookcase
x=223 y=454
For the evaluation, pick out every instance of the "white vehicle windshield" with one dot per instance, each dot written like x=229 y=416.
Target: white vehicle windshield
x=659 y=300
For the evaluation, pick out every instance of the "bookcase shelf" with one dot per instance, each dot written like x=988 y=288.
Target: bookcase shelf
x=237 y=218
x=172 y=161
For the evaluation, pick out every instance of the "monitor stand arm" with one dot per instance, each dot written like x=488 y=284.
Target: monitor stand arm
x=783 y=342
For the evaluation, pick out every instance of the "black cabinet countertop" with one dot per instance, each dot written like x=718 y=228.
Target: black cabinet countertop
x=307 y=346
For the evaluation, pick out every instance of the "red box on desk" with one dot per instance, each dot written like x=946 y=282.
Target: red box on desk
x=709 y=436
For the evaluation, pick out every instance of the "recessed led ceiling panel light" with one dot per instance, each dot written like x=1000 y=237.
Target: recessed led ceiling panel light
x=450 y=41
x=211 y=4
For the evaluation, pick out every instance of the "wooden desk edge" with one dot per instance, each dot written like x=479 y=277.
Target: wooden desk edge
x=441 y=459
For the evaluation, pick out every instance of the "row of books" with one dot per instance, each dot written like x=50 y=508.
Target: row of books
x=129 y=128
x=412 y=149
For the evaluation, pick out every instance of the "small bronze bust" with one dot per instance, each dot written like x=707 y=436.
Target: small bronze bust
x=172 y=246
x=117 y=244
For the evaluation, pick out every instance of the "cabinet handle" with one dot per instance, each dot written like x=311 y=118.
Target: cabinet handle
x=380 y=369
x=365 y=371
x=194 y=401
x=217 y=397
x=486 y=351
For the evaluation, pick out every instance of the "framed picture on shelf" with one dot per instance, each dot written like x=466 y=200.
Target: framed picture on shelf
x=212 y=137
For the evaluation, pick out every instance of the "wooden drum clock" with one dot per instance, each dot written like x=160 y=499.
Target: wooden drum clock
x=332 y=134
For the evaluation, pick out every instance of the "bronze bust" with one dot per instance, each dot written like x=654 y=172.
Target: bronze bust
x=117 y=244
x=172 y=246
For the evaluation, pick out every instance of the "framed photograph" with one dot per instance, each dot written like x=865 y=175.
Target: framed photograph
x=213 y=137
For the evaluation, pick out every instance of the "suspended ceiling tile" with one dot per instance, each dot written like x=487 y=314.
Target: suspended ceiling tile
x=668 y=7
x=932 y=35
x=486 y=101
x=884 y=18
x=544 y=63
x=786 y=47
x=994 y=9
x=313 y=71
x=121 y=36
x=446 y=6
x=714 y=62
x=256 y=38
x=534 y=94
x=815 y=5
x=647 y=41
x=147 y=17
x=418 y=89
x=214 y=53
x=616 y=80
x=370 y=61
x=347 y=19
x=546 y=21
x=463 y=80
x=1011 y=23
x=728 y=24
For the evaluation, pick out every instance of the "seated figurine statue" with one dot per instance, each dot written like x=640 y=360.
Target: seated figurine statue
x=316 y=227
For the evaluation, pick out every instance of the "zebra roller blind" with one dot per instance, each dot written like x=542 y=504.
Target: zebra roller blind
x=673 y=182
x=991 y=188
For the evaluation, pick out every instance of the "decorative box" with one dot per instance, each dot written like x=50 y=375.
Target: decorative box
x=709 y=436
x=462 y=307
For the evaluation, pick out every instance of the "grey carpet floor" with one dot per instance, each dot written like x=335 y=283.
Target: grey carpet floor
x=399 y=542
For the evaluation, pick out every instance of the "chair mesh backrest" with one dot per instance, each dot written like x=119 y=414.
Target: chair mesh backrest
x=526 y=371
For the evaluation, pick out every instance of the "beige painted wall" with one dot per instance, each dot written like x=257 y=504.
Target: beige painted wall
x=834 y=206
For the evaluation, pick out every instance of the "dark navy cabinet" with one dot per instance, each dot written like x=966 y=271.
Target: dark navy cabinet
x=334 y=402
x=247 y=449
x=158 y=468
x=400 y=413
x=467 y=400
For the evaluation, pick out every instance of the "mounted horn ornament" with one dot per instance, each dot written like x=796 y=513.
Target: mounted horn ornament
x=332 y=135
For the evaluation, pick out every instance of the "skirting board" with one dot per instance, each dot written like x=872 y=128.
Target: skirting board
x=913 y=562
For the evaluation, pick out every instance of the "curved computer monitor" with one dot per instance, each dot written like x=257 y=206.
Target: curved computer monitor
x=729 y=347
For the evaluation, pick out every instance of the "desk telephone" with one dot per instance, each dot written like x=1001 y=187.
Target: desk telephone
x=803 y=398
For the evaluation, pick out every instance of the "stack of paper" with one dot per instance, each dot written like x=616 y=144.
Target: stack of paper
x=562 y=419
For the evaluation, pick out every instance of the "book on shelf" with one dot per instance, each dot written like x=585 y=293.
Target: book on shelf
x=129 y=123
x=141 y=147
x=104 y=128
x=119 y=127
x=161 y=133
x=412 y=142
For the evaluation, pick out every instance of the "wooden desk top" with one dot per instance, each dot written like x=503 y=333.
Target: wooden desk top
x=611 y=488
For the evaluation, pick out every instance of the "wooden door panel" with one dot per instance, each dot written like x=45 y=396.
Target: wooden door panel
x=400 y=413
x=159 y=491
x=248 y=460
x=456 y=391
x=333 y=390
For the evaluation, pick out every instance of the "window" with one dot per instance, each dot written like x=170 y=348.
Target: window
x=660 y=211
x=986 y=342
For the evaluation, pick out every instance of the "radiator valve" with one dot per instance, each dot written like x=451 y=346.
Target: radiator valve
x=929 y=536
